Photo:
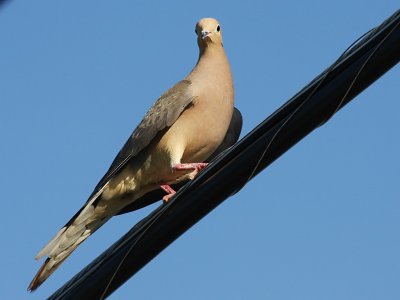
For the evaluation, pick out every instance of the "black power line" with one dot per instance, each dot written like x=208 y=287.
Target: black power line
x=355 y=70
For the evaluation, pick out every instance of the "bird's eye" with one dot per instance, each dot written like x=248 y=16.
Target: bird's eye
x=218 y=28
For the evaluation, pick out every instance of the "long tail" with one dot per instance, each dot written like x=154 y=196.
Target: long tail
x=86 y=221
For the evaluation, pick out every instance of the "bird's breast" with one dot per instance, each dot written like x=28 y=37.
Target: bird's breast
x=201 y=128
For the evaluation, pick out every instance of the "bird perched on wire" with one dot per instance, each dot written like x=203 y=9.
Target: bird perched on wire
x=184 y=127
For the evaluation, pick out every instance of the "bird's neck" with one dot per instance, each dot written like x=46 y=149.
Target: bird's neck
x=212 y=61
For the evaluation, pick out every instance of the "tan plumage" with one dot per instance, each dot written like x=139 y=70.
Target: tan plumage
x=185 y=126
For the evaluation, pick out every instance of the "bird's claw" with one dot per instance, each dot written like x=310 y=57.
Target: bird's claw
x=169 y=190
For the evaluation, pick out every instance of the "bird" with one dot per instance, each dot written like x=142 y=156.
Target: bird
x=185 y=126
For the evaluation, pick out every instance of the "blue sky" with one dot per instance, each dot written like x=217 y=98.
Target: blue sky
x=76 y=77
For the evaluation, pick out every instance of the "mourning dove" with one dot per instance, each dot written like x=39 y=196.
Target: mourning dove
x=182 y=129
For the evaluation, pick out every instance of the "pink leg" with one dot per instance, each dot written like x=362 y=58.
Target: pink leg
x=196 y=167
x=190 y=166
x=169 y=190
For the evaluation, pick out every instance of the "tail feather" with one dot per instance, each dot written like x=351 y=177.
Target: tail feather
x=61 y=251
x=81 y=215
x=48 y=267
x=79 y=228
x=50 y=245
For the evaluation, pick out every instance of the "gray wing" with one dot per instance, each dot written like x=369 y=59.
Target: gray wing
x=163 y=114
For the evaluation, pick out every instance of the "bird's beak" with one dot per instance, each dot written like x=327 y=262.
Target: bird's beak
x=204 y=34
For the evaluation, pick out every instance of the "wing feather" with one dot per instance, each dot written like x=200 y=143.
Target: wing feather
x=163 y=114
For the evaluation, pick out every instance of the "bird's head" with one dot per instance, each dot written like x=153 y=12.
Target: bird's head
x=208 y=33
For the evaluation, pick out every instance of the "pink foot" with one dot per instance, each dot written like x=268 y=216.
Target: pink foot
x=169 y=190
x=196 y=167
x=190 y=166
